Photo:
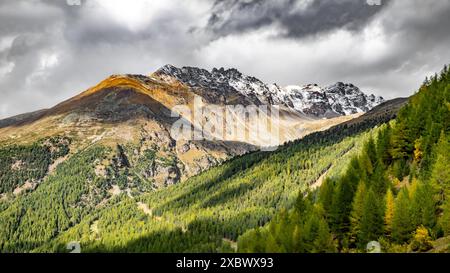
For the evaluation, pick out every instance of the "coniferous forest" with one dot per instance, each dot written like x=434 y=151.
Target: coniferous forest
x=382 y=177
x=395 y=191
x=206 y=213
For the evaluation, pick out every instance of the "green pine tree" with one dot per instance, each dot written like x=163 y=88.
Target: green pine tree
x=445 y=219
x=389 y=211
x=326 y=196
x=342 y=206
x=383 y=144
x=423 y=206
x=357 y=211
x=372 y=219
x=324 y=242
x=401 y=222
x=440 y=175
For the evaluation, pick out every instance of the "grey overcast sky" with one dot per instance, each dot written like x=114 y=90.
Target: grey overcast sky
x=51 y=50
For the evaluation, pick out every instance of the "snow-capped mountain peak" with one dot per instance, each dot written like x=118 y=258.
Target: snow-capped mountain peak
x=335 y=100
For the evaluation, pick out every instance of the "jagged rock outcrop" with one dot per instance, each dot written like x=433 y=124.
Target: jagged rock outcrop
x=231 y=86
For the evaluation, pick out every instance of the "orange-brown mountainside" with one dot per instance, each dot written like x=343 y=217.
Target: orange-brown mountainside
x=127 y=111
x=134 y=112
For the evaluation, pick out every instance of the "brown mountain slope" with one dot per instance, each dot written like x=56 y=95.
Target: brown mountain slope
x=134 y=112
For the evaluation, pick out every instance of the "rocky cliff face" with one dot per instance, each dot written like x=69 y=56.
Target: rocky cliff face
x=336 y=100
x=231 y=86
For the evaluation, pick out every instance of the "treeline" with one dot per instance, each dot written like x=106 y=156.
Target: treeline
x=396 y=191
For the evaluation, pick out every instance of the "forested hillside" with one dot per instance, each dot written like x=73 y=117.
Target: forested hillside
x=395 y=191
x=206 y=213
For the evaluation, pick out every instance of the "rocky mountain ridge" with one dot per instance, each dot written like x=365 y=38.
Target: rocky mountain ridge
x=339 y=99
x=132 y=114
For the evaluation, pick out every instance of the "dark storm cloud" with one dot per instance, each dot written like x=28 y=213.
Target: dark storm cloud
x=412 y=41
x=50 y=51
x=296 y=17
x=417 y=35
x=33 y=16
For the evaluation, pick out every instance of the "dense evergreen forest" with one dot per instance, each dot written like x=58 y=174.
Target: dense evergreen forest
x=367 y=179
x=396 y=191
x=207 y=213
